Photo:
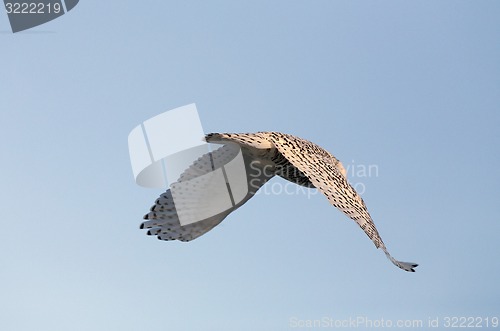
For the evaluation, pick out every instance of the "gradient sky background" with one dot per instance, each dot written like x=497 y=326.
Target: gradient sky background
x=412 y=87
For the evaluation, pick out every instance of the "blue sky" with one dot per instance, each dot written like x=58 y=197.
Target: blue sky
x=411 y=87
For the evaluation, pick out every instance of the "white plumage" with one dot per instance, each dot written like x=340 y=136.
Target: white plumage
x=267 y=154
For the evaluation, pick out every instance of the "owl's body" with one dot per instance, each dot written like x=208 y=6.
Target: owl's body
x=267 y=154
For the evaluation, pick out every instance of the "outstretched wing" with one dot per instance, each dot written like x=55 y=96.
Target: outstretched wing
x=324 y=171
x=163 y=219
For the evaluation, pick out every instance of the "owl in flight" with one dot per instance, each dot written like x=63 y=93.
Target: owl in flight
x=265 y=155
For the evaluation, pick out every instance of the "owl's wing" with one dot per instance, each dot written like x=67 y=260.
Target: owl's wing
x=165 y=224
x=325 y=173
x=163 y=218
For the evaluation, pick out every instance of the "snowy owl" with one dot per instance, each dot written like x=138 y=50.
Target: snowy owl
x=265 y=155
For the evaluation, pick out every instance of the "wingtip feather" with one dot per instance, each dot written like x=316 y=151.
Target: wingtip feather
x=406 y=266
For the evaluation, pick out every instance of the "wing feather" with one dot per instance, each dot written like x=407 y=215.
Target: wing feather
x=327 y=175
x=163 y=220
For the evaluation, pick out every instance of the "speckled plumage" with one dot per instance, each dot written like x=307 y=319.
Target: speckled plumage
x=295 y=159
